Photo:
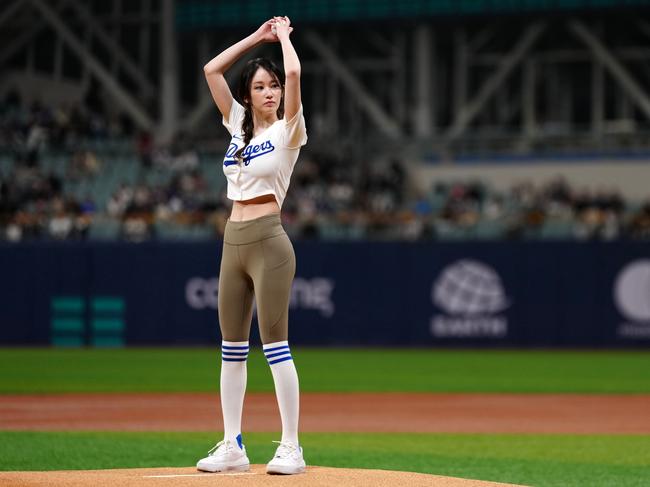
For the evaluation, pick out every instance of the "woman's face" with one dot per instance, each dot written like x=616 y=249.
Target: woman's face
x=266 y=93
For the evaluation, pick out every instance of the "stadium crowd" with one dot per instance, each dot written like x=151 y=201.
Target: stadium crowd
x=330 y=197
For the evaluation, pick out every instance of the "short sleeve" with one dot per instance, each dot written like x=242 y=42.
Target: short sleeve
x=236 y=118
x=295 y=132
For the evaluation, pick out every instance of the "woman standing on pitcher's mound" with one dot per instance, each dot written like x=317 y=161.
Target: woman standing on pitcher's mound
x=268 y=130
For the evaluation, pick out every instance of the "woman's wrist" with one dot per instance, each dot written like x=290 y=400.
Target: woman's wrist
x=283 y=37
x=256 y=38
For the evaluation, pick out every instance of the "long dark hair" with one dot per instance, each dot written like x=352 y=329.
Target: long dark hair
x=244 y=94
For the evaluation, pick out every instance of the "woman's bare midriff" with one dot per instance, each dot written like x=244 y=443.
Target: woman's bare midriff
x=254 y=208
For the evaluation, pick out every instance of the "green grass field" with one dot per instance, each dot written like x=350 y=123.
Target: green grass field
x=539 y=460
x=328 y=370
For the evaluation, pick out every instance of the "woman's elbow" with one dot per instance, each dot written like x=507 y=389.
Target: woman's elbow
x=293 y=73
x=208 y=70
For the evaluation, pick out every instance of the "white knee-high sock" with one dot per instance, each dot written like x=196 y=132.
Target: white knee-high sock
x=233 y=387
x=285 y=378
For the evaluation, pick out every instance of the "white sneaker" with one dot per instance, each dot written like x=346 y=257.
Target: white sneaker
x=288 y=460
x=225 y=456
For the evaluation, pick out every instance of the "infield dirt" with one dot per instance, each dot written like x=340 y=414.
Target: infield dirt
x=354 y=412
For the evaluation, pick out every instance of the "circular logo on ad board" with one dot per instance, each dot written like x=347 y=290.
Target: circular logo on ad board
x=632 y=291
x=469 y=287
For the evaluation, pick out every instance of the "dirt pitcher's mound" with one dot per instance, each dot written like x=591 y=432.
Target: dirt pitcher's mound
x=256 y=477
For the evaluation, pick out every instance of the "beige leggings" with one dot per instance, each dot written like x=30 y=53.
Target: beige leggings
x=257 y=260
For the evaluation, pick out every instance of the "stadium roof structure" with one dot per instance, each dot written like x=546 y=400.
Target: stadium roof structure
x=504 y=77
x=201 y=14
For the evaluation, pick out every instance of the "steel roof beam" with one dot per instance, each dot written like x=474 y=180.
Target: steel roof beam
x=121 y=97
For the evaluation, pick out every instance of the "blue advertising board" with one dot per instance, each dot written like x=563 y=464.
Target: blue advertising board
x=498 y=294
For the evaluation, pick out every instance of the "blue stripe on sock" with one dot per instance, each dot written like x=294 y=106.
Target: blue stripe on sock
x=225 y=347
x=277 y=354
x=224 y=352
x=280 y=360
x=233 y=359
x=266 y=350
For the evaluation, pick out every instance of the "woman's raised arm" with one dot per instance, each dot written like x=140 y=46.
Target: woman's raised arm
x=215 y=69
x=291 y=68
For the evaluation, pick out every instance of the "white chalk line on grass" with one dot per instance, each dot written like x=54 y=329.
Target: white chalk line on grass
x=195 y=475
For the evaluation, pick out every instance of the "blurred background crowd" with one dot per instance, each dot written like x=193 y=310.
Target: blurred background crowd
x=72 y=174
x=129 y=147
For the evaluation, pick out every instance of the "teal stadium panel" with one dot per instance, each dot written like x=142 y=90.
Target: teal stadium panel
x=203 y=14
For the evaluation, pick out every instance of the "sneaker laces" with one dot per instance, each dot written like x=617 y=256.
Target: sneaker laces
x=220 y=448
x=286 y=449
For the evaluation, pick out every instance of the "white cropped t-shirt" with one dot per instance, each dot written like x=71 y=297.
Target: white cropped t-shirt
x=268 y=160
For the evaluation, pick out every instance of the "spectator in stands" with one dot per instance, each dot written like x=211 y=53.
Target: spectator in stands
x=463 y=205
x=119 y=200
x=599 y=215
x=13 y=230
x=83 y=164
x=136 y=227
x=639 y=226
x=144 y=147
x=60 y=224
